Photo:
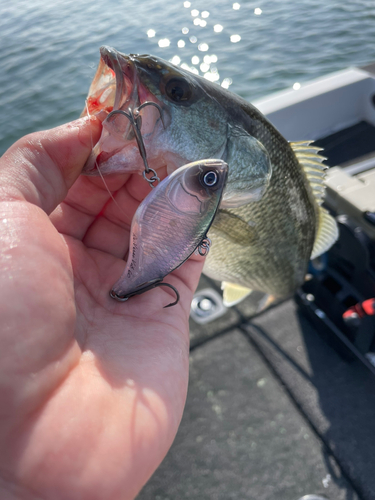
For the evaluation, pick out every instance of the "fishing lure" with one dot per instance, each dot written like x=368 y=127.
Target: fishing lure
x=170 y=224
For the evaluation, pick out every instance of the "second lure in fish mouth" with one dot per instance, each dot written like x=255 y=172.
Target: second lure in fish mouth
x=170 y=224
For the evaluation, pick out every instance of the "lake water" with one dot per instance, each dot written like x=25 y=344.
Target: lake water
x=50 y=50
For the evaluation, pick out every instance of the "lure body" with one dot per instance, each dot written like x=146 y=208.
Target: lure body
x=170 y=224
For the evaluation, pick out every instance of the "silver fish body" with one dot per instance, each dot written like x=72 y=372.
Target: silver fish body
x=270 y=221
x=170 y=224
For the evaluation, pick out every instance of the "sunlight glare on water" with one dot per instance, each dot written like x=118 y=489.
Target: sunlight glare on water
x=176 y=60
x=203 y=47
x=164 y=42
x=50 y=51
x=226 y=83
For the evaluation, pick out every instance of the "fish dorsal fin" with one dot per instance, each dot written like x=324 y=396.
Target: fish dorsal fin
x=233 y=294
x=311 y=162
x=326 y=235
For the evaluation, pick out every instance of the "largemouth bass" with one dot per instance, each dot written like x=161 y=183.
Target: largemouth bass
x=270 y=222
x=170 y=224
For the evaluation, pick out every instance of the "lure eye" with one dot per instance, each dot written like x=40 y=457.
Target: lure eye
x=178 y=90
x=210 y=178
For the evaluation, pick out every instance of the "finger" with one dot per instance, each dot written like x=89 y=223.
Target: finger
x=87 y=198
x=108 y=237
x=110 y=231
x=116 y=197
x=150 y=305
x=41 y=167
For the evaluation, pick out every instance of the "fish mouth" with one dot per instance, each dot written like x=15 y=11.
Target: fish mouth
x=124 y=71
x=112 y=83
x=114 y=87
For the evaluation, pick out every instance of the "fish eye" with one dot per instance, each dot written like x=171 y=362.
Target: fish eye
x=178 y=90
x=210 y=178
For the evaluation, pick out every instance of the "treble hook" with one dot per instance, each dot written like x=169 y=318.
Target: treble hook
x=124 y=298
x=151 y=103
x=134 y=117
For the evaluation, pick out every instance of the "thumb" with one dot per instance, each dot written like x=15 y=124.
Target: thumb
x=41 y=167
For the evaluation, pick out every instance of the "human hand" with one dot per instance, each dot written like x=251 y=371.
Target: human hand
x=91 y=390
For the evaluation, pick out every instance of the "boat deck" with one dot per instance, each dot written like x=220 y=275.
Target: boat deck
x=272 y=412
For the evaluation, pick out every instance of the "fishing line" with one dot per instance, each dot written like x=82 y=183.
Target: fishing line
x=97 y=166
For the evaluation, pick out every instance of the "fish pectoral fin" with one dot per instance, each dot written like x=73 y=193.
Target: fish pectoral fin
x=247 y=181
x=234 y=229
x=233 y=294
x=326 y=235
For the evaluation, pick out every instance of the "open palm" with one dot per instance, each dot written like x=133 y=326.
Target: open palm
x=91 y=390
